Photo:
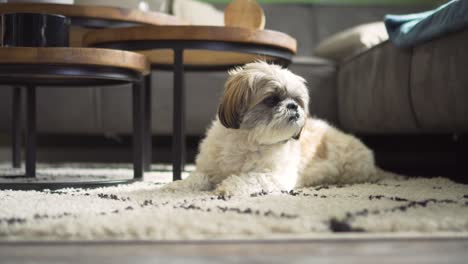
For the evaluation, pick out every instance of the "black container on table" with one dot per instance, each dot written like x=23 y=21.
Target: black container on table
x=34 y=30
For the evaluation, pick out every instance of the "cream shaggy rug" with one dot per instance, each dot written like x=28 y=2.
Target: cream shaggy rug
x=140 y=211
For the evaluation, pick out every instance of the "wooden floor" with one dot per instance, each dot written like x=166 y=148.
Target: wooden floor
x=319 y=251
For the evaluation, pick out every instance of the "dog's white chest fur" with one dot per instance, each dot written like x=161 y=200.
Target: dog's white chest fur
x=227 y=152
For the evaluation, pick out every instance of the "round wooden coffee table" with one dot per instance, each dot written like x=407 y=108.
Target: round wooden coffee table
x=86 y=17
x=194 y=48
x=77 y=67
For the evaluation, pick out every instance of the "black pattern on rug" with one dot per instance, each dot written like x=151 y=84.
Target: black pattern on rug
x=142 y=211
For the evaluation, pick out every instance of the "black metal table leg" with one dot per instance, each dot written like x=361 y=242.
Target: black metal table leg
x=178 y=141
x=148 y=133
x=138 y=129
x=31 y=131
x=16 y=127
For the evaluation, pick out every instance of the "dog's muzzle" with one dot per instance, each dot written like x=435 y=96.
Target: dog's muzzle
x=294 y=117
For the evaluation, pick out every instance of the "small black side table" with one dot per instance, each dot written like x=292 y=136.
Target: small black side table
x=194 y=48
x=73 y=67
x=87 y=17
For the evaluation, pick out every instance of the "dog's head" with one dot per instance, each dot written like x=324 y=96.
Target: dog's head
x=268 y=101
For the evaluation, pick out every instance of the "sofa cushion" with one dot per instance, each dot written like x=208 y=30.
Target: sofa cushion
x=373 y=92
x=352 y=41
x=440 y=83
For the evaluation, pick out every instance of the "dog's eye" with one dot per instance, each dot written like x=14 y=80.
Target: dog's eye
x=272 y=100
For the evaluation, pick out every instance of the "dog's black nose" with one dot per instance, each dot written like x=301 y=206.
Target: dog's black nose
x=292 y=106
x=294 y=117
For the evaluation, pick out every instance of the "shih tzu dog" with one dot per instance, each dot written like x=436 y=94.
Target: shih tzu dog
x=263 y=140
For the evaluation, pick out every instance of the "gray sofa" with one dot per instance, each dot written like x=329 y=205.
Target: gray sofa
x=358 y=105
x=387 y=90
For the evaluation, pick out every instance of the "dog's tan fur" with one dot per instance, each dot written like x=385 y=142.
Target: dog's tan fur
x=251 y=147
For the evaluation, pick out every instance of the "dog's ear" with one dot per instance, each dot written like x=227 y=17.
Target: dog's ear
x=234 y=101
x=228 y=116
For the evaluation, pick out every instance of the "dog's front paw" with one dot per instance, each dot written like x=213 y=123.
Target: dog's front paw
x=222 y=193
x=247 y=184
x=225 y=191
x=195 y=182
x=233 y=186
x=176 y=186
